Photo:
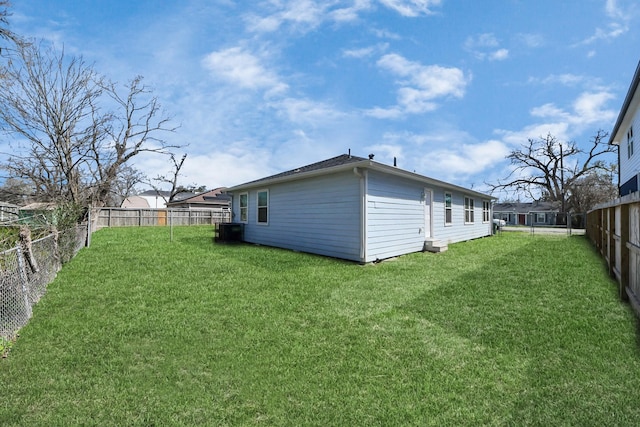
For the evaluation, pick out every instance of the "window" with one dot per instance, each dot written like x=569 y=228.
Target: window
x=486 y=211
x=448 y=212
x=468 y=210
x=263 y=207
x=244 y=207
x=541 y=218
x=630 y=142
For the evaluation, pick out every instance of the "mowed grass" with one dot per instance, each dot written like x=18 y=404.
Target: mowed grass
x=509 y=330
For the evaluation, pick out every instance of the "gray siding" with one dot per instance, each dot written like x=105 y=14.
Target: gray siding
x=323 y=215
x=457 y=231
x=395 y=219
x=318 y=215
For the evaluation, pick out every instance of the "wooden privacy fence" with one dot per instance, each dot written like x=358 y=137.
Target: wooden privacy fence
x=614 y=229
x=121 y=217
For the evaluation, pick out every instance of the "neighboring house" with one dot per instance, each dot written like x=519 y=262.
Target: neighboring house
x=358 y=209
x=212 y=199
x=135 y=202
x=156 y=199
x=8 y=212
x=626 y=125
x=531 y=214
x=37 y=211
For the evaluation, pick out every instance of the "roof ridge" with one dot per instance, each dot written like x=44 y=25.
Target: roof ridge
x=323 y=164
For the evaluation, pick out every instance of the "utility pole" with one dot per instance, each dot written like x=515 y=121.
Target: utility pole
x=562 y=183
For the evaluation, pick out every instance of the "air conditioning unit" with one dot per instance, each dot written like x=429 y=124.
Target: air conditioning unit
x=229 y=232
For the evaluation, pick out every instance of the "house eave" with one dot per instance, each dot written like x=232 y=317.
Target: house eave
x=364 y=164
x=631 y=102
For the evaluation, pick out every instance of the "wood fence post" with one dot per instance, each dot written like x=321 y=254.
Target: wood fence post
x=24 y=280
x=624 y=251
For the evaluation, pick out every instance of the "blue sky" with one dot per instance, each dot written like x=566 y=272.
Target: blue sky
x=448 y=87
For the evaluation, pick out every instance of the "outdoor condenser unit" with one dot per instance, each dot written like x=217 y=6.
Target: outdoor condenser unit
x=229 y=232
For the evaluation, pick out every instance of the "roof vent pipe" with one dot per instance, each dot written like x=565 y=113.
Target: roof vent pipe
x=395 y=163
x=349 y=152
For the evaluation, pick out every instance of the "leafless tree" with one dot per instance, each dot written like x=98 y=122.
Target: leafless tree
x=592 y=189
x=75 y=132
x=547 y=169
x=5 y=32
x=171 y=180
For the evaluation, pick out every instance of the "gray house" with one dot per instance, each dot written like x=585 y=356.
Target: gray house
x=529 y=213
x=358 y=209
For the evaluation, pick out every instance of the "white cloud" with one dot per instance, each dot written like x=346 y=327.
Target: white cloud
x=307 y=15
x=411 y=8
x=484 y=40
x=499 y=55
x=302 y=15
x=350 y=13
x=517 y=138
x=486 y=46
x=304 y=111
x=589 y=108
x=618 y=25
x=420 y=85
x=586 y=111
x=549 y=110
x=531 y=40
x=365 y=51
x=467 y=159
x=243 y=69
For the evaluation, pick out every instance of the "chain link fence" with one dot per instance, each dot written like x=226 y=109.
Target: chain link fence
x=26 y=270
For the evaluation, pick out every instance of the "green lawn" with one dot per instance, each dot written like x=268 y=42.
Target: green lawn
x=509 y=330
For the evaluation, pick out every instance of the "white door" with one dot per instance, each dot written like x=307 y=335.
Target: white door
x=427 y=213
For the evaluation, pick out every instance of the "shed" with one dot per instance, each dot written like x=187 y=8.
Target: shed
x=357 y=209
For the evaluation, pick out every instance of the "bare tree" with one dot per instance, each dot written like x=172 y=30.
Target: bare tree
x=547 y=169
x=75 y=133
x=592 y=189
x=171 y=180
x=5 y=32
x=133 y=129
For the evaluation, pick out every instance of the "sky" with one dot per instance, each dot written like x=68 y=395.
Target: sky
x=448 y=87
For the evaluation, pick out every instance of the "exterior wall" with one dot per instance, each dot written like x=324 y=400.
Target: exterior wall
x=629 y=166
x=395 y=219
x=458 y=231
x=319 y=215
x=324 y=215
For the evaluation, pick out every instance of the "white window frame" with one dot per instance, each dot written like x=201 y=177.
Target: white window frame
x=244 y=219
x=258 y=207
x=448 y=209
x=630 y=142
x=541 y=215
x=469 y=210
x=486 y=211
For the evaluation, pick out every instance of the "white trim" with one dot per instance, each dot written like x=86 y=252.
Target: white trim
x=246 y=219
x=264 y=190
x=450 y=208
x=428 y=209
x=488 y=211
x=471 y=208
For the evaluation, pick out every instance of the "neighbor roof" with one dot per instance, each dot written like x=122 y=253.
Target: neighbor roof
x=628 y=101
x=215 y=196
x=527 y=207
x=346 y=162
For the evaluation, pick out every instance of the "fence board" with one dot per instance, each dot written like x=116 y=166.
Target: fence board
x=123 y=217
x=614 y=229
